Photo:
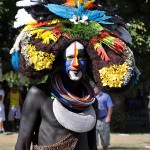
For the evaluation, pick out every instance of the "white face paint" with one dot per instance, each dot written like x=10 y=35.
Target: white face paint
x=75 y=62
x=74 y=75
x=70 y=51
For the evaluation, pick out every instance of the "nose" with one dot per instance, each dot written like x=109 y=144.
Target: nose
x=75 y=63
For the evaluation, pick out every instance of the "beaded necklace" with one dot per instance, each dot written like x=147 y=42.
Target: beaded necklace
x=69 y=99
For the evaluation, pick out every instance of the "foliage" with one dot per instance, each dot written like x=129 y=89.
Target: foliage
x=7 y=13
x=140 y=36
x=118 y=121
x=16 y=78
x=21 y=80
x=81 y=30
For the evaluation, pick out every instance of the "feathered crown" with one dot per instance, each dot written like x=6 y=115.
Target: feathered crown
x=49 y=26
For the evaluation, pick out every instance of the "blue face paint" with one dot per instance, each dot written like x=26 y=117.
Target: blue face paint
x=67 y=64
x=74 y=64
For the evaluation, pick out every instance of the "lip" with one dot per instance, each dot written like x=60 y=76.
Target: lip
x=73 y=68
x=74 y=71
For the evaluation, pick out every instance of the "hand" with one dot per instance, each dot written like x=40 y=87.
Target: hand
x=108 y=119
x=0 y=97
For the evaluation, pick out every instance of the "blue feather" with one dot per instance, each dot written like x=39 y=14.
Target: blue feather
x=15 y=60
x=98 y=16
x=68 y=12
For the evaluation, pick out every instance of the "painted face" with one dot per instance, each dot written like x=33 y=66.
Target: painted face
x=75 y=63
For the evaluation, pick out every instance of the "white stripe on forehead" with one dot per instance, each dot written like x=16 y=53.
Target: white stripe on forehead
x=70 y=49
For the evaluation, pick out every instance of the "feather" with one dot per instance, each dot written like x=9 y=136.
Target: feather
x=73 y=3
x=26 y=3
x=101 y=52
x=98 y=16
x=112 y=42
x=15 y=60
x=17 y=42
x=22 y=17
x=89 y=4
x=70 y=3
x=123 y=33
x=68 y=12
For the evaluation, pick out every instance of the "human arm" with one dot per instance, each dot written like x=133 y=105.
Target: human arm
x=110 y=109
x=2 y=95
x=95 y=106
x=20 y=99
x=109 y=114
x=29 y=115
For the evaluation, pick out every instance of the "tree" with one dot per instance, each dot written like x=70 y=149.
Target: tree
x=135 y=14
x=7 y=32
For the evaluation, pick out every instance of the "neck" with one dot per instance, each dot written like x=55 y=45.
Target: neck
x=72 y=86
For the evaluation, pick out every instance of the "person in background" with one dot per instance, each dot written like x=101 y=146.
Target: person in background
x=6 y=89
x=2 y=111
x=15 y=101
x=148 y=104
x=105 y=105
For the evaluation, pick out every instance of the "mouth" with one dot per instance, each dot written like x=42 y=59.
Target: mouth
x=74 y=75
x=73 y=72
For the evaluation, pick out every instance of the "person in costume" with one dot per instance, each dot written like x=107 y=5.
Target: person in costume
x=71 y=41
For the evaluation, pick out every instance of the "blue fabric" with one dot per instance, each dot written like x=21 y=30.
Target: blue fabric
x=104 y=102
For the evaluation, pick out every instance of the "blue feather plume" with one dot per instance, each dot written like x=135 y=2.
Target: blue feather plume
x=15 y=60
x=68 y=12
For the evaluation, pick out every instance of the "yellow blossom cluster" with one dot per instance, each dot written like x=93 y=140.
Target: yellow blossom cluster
x=113 y=75
x=40 y=60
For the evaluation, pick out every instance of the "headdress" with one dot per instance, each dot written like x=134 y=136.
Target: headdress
x=50 y=26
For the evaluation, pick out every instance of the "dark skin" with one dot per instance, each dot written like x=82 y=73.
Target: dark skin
x=38 y=122
x=38 y=117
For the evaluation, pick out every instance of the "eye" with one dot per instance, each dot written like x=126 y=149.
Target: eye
x=69 y=57
x=81 y=58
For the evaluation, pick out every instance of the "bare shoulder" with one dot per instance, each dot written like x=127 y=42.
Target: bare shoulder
x=35 y=97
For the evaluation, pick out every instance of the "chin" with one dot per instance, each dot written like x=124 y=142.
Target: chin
x=75 y=77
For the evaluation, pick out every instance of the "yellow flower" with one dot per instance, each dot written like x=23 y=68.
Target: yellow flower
x=40 y=60
x=113 y=75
